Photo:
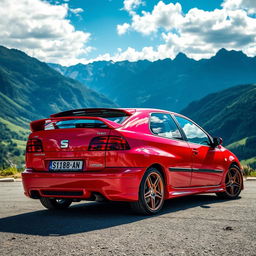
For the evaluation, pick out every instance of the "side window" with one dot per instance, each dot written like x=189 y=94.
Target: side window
x=193 y=133
x=163 y=125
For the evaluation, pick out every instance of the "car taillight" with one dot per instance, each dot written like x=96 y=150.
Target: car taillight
x=117 y=143
x=103 y=143
x=98 y=143
x=34 y=145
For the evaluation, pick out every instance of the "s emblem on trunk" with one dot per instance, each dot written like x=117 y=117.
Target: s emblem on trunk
x=64 y=143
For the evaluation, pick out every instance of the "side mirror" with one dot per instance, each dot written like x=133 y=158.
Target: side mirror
x=217 y=141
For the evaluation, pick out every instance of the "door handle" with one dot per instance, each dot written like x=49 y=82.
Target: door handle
x=195 y=151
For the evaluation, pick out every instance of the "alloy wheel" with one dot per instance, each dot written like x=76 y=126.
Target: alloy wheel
x=154 y=191
x=233 y=182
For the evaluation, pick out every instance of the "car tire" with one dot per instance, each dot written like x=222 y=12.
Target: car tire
x=55 y=204
x=233 y=183
x=151 y=193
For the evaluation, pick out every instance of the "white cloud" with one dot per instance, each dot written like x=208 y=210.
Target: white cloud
x=167 y=16
x=42 y=30
x=130 y=5
x=192 y=131
x=198 y=33
x=76 y=10
x=130 y=54
x=248 y=5
x=121 y=29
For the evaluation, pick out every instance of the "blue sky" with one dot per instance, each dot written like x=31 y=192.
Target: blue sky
x=73 y=31
x=101 y=22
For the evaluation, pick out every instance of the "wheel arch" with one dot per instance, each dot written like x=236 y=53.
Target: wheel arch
x=161 y=169
x=236 y=164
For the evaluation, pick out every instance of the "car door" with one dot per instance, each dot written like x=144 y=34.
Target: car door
x=207 y=162
x=178 y=153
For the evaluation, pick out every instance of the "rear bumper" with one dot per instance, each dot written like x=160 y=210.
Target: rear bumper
x=116 y=184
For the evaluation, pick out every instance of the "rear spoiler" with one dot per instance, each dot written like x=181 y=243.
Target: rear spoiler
x=39 y=125
x=96 y=112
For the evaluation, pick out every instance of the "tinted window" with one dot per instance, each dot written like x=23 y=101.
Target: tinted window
x=163 y=125
x=118 y=120
x=115 y=115
x=193 y=133
x=76 y=123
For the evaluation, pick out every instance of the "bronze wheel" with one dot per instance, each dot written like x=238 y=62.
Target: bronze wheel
x=151 y=193
x=233 y=183
x=154 y=191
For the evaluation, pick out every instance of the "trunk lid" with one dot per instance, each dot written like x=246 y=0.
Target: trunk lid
x=66 y=137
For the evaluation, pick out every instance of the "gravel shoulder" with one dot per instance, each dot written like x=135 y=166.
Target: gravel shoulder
x=194 y=225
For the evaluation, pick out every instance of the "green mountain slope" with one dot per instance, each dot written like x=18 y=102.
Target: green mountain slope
x=230 y=114
x=29 y=90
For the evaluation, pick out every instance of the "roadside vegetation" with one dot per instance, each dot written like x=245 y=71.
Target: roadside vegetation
x=12 y=145
x=245 y=150
x=249 y=171
x=11 y=171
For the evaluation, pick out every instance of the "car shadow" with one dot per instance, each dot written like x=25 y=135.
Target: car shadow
x=87 y=217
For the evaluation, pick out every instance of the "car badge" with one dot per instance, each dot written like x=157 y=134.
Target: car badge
x=64 y=143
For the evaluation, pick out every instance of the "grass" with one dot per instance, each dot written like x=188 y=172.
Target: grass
x=18 y=129
x=252 y=174
x=10 y=101
x=248 y=171
x=243 y=147
x=10 y=172
x=23 y=122
x=248 y=161
x=236 y=144
x=21 y=144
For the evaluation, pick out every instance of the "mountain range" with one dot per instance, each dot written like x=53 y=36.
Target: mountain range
x=29 y=90
x=167 y=84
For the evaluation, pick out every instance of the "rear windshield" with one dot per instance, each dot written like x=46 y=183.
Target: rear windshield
x=118 y=120
x=76 y=123
x=114 y=115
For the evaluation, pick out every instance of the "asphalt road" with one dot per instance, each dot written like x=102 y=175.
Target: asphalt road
x=195 y=225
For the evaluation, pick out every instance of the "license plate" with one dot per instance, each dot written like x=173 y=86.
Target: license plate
x=69 y=165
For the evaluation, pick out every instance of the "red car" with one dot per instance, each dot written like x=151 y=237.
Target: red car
x=142 y=156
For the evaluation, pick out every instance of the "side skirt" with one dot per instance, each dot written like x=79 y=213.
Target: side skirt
x=177 y=192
